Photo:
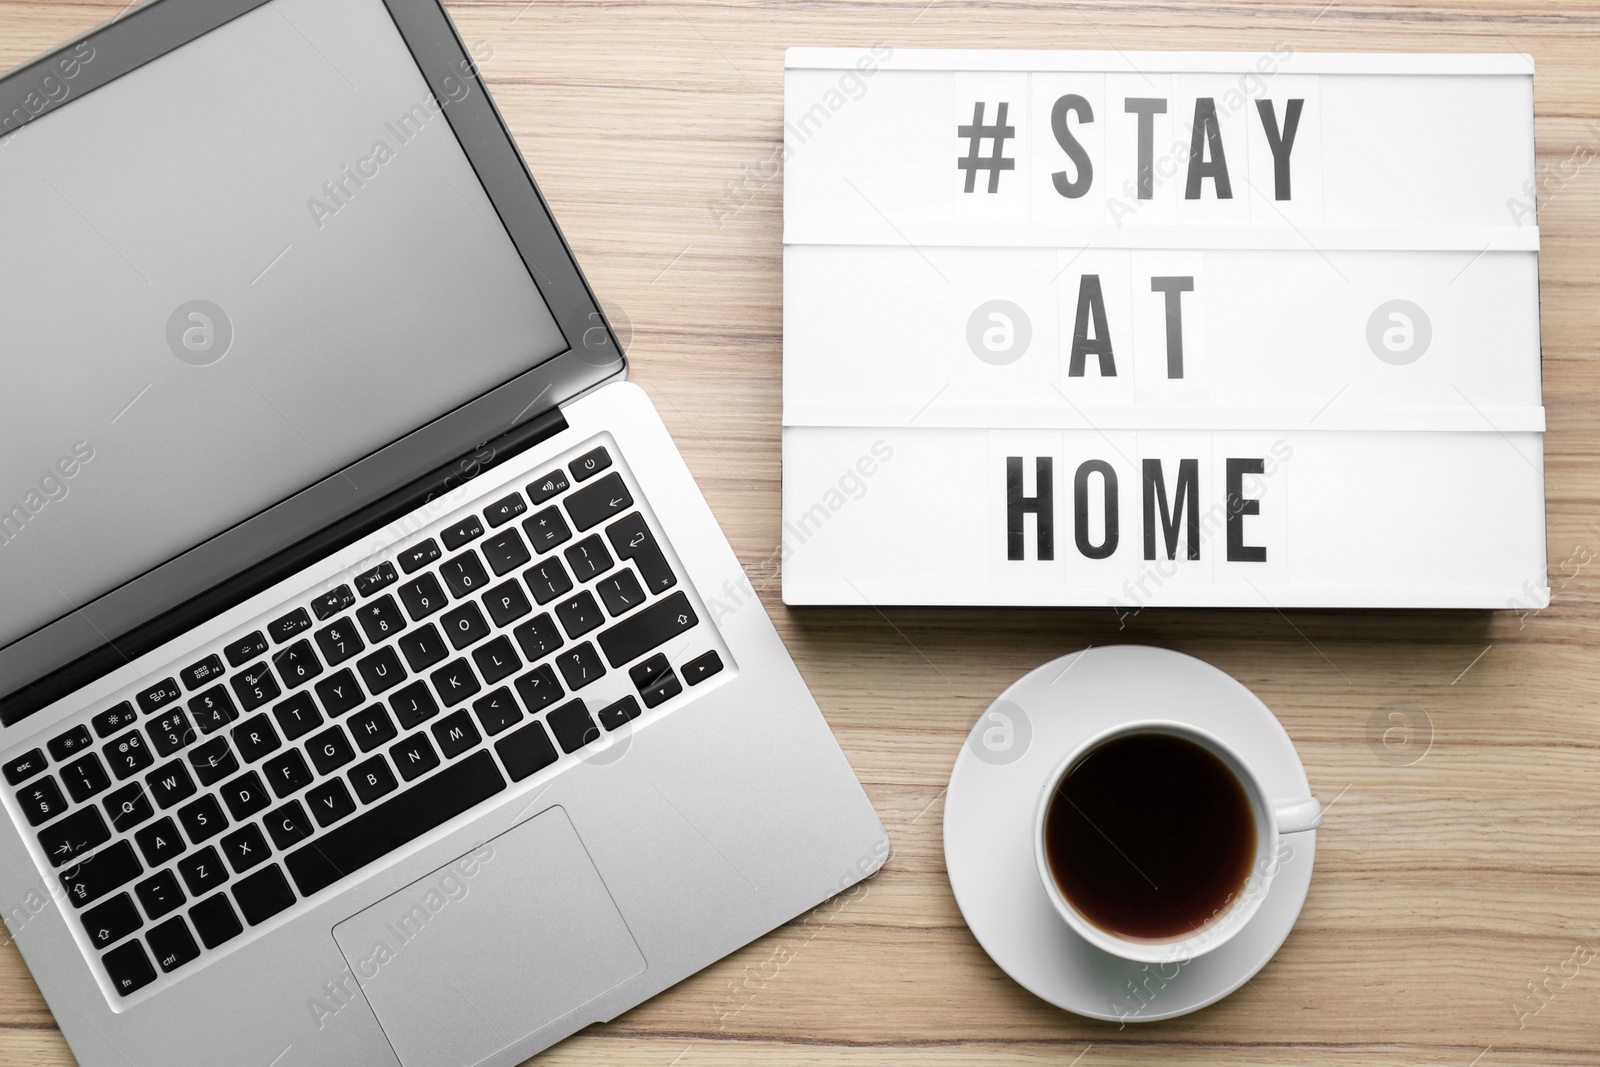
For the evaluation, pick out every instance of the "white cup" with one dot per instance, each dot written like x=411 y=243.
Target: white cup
x=1273 y=818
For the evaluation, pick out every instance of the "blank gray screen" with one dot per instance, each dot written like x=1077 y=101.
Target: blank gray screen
x=229 y=274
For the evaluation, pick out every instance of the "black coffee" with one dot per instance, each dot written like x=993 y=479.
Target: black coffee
x=1150 y=836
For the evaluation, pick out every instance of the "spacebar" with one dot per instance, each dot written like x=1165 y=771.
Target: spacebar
x=383 y=829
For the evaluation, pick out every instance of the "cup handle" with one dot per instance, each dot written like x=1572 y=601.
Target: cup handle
x=1297 y=816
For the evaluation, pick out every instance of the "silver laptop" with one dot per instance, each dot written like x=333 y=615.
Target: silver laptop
x=360 y=703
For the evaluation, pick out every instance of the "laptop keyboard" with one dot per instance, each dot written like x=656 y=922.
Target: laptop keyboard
x=359 y=717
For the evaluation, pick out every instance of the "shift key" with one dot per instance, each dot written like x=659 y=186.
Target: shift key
x=648 y=629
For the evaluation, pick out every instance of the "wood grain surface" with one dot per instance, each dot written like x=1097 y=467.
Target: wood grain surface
x=1451 y=874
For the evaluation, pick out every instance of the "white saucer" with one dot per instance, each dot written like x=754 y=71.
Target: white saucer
x=989 y=813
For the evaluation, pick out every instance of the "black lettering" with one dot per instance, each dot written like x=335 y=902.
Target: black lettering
x=1216 y=168
x=1091 y=308
x=1078 y=106
x=1147 y=108
x=1280 y=143
x=1080 y=493
x=1185 y=498
x=1238 y=507
x=1174 y=288
x=1041 y=505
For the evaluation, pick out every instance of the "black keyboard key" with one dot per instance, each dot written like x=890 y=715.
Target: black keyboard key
x=170 y=784
x=70 y=743
x=330 y=802
x=423 y=596
x=456 y=734
x=111 y=721
x=297 y=664
x=632 y=539
x=41 y=801
x=288 y=773
x=381 y=619
x=620 y=593
x=107 y=870
x=599 y=501
x=655 y=681
x=413 y=705
x=203 y=819
x=298 y=715
x=170 y=732
x=205 y=672
x=77 y=834
x=255 y=738
x=455 y=682
x=246 y=649
x=418 y=556
x=506 y=551
x=255 y=686
x=372 y=727
x=580 y=666
x=497 y=660
x=203 y=871
x=382 y=671
x=539 y=689
x=550 y=485
x=702 y=667
x=464 y=574
x=648 y=629
x=498 y=711
x=591 y=463
x=332 y=602
x=244 y=848
x=614 y=716
x=375 y=833
x=160 y=841
x=465 y=625
x=589 y=558
x=380 y=577
x=423 y=648
x=538 y=638
x=572 y=726
x=128 y=807
x=339 y=693
x=506 y=603
x=547 y=529
x=263 y=895
x=372 y=779
x=339 y=640
x=213 y=709
x=579 y=615
x=160 y=894
x=548 y=580
x=245 y=795
x=526 y=752
x=330 y=750
x=288 y=825
x=414 y=756
x=129 y=968
x=215 y=921
x=108 y=923
x=128 y=755
x=159 y=696
x=84 y=777
x=280 y=630
x=172 y=945
x=24 y=767
x=503 y=511
x=464 y=532
x=213 y=761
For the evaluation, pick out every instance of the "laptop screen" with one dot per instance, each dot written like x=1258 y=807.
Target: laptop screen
x=228 y=274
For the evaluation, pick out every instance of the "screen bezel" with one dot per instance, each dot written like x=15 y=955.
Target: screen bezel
x=592 y=357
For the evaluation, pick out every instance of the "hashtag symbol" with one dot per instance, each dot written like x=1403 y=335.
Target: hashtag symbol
x=976 y=134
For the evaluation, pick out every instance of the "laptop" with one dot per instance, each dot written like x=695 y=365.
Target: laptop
x=359 y=702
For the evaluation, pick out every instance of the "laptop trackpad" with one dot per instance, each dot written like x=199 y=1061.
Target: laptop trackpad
x=491 y=948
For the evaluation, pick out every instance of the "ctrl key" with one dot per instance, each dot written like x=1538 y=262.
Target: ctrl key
x=129 y=968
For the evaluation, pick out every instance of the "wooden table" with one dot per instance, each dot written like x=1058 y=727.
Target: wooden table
x=1444 y=885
